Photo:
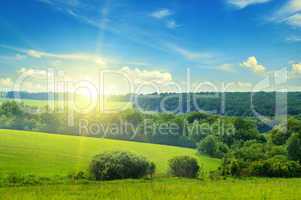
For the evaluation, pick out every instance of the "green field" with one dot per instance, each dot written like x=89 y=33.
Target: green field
x=108 y=105
x=49 y=154
x=45 y=154
x=28 y=102
x=177 y=189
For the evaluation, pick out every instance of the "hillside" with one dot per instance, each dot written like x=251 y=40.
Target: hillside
x=48 y=154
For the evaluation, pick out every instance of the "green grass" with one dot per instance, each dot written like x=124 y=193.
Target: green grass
x=176 y=189
x=44 y=154
x=28 y=102
x=108 y=105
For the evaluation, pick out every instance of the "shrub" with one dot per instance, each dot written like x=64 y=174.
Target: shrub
x=294 y=147
x=278 y=166
x=212 y=147
x=77 y=176
x=231 y=166
x=209 y=145
x=21 y=180
x=151 y=169
x=184 y=166
x=275 y=150
x=119 y=165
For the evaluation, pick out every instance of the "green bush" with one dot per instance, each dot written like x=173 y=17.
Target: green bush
x=278 y=166
x=294 y=147
x=184 y=166
x=212 y=147
x=120 y=165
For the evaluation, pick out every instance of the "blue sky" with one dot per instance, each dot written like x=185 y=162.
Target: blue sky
x=230 y=41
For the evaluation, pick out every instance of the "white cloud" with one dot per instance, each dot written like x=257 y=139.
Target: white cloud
x=295 y=71
x=162 y=13
x=19 y=57
x=81 y=57
x=291 y=7
x=35 y=54
x=33 y=72
x=72 y=56
x=238 y=86
x=245 y=3
x=6 y=82
x=296 y=68
x=189 y=55
x=146 y=76
x=226 y=67
x=252 y=64
x=172 y=24
x=289 y=13
x=294 y=20
x=293 y=38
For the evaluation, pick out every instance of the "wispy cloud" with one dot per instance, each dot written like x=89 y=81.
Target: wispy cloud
x=162 y=13
x=17 y=57
x=6 y=82
x=147 y=76
x=289 y=13
x=296 y=68
x=172 y=24
x=226 y=67
x=293 y=39
x=238 y=86
x=83 y=57
x=294 y=20
x=72 y=56
x=295 y=71
x=188 y=54
x=32 y=72
x=240 y=4
x=252 y=64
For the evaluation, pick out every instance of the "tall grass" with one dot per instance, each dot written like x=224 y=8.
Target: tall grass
x=176 y=189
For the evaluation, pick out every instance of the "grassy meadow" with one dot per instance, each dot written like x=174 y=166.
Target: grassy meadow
x=48 y=155
x=28 y=102
x=79 y=103
x=172 y=188
x=45 y=154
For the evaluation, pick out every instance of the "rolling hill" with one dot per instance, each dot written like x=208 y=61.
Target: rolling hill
x=45 y=154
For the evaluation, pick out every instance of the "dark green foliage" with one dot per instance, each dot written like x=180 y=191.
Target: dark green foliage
x=196 y=116
x=209 y=145
x=278 y=166
x=184 y=166
x=245 y=130
x=120 y=165
x=11 y=108
x=212 y=147
x=294 y=147
x=250 y=151
x=236 y=103
x=275 y=150
x=281 y=133
x=279 y=136
x=256 y=159
x=230 y=166
x=151 y=169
